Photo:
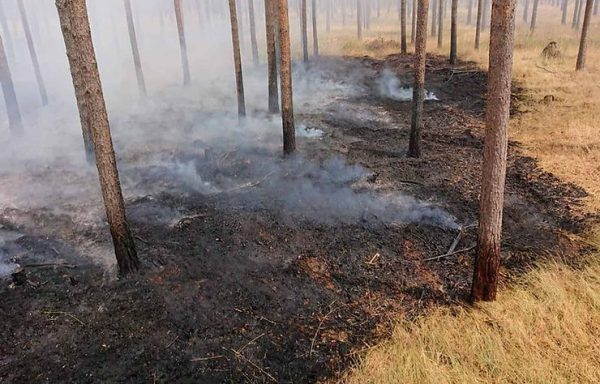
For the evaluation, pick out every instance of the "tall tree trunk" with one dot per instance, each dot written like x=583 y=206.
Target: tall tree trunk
x=237 y=58
x=565 y=7
x=478 y=24
x=434 y=19
x=487 y=263
x=413 y=29
x=304 y=26
x=32 y=53
x=440 y=22
x=584 y=31
x=526 y=11
x=470 y=12
x=270 y=16
x=134 y=49
x=534 y=15
x=453 y=32
x=403 y=26
x=253 y=41
x=8 y=89
x=184 y=57
x=92 y=110
x=6 y=29
x=314 y=29
x=579 y=12
x=414 y=147
x=485 y=18
x=285 y=72
x=359 y=18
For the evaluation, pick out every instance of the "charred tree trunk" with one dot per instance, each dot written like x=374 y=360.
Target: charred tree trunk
x=32 y=53
x=414 y=147
x=314 y=29
x=237 y=58
x=403 y=26
x=413 y=29
x=440 y=22
x=534 y=15
x=184 y=56
x=304 y=27
x=454 y=32
x=92 y=110
x=584 y=31
x=10 y=97
x=270 y=16
x=359 y=18
x=285 y=72
x=478 y=24
x=253 y=41
x=134 y=49
x=487 y=263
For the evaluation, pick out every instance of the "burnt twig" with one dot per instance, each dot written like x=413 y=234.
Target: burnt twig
x=62 y=313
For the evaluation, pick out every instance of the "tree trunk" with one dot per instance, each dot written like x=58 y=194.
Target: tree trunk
x=359 y=18
x=184 y=57
x=584 y=31
x=434 y=20
x=304 y=30
x=10 y=98
x=470 y=12
x=534 y=15
x=6 y=29
x=440 y=22
x=565 y=7
x=403 y=26
x=414 y=147
x=253 y=33
x=413 y=29
x=487 y=263
x=237 y=58
x=270 y=16
x=453 y=32
x=92 y=111
x=314 y=29
x=134 y=49
x=579 y=11
x=285 y=71
x=478 y=24
x=32 y=53
x=485 y=18
x=526 y=11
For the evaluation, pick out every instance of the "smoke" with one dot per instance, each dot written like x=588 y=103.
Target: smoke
x=390 y=86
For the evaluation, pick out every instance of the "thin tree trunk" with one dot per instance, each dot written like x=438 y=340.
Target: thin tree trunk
x=413 y=29
x=534 y=15
x=237 y=58
x=6 y=29
x=478 y=24
x=359 y=18
x=184 y=57
x=92 y=110
x=453 y=32
x=487 y=263
x=285 y=72
x=253 y=33
x=304 y=26
x=414 y=147
x=434 y=20
x=403 y=26
x=314 y=29
x=134 y=49
x=440 y=22
x=579 y=12
x=565 y=7
x=271 y=55
x=584 y=31
x=526 y=11
x=470 y=12
x=485 y=18
x=33 y=54
x=10 y=97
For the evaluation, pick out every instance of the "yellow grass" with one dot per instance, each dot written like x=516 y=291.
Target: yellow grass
x=546 y=329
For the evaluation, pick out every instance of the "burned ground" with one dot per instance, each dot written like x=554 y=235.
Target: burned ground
x=251 y=283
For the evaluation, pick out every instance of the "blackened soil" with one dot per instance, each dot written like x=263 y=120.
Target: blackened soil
x=231 y=294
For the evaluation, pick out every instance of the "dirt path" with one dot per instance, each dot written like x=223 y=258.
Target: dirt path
x=256 y=283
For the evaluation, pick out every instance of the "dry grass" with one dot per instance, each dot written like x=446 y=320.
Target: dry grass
x=546 y=329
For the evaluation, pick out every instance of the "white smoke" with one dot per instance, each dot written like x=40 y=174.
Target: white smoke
x=390 y=86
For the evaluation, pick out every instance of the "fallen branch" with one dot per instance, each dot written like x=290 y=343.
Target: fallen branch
x=250 y=342
x=207 y=358
x=62 y=313
x=312 y=344
x=449 y=254
x=253 y=364
x=43 y=265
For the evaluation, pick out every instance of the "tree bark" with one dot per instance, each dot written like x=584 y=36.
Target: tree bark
x=253 y=41
x=454 y=32
x=33 y=54
x=270 y=16
x=182 y=45
x=15 y=122
x=487 y=263
x=414 y=147
x=440 y=22
x=314 y=29
x=478 y=24
x=237 y=59
x=134 y=49
x=413 y=30
x=359 y=18
x=92 y=110
x=534 y=15
x=403 y=26
x=285 y=72
x=304 y=26
x=584 y=31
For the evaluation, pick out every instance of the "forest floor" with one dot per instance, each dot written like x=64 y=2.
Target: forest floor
x=243 y=288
